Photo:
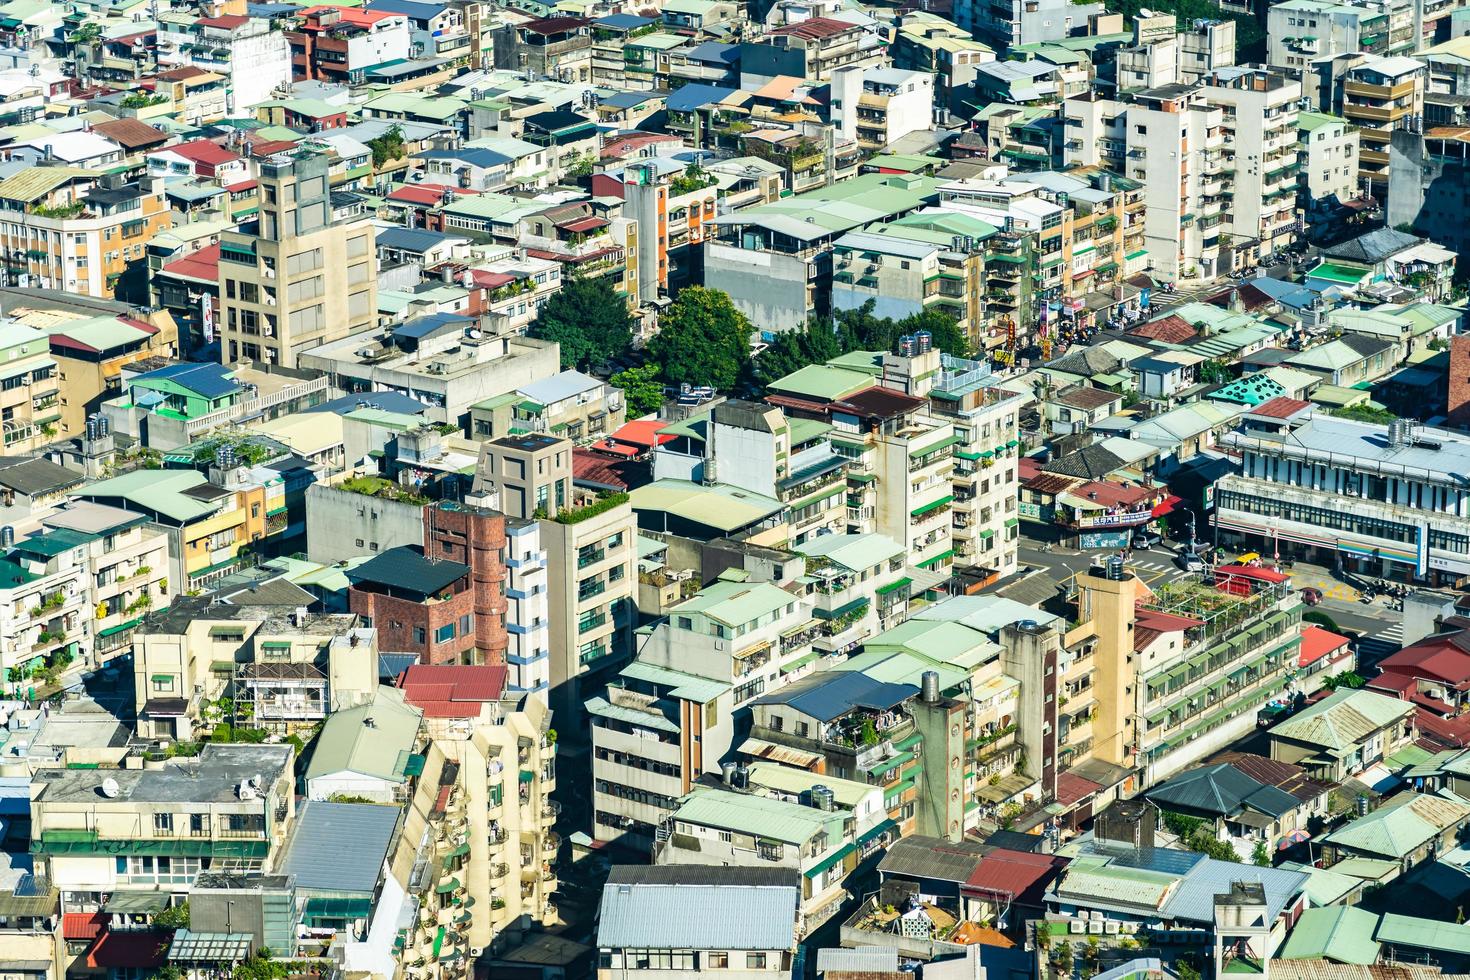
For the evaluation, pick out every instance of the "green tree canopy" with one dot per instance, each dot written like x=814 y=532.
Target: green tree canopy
x=588 y=319
x=388 y=146
x=861 y=329
x=703 y=340
x=792 y=350
x=642 y=389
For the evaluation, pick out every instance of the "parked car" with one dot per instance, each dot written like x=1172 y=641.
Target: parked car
x=1144 y=539
x=1189 y=561
x=1311 y=596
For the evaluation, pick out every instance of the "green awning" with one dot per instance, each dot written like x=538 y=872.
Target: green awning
x=935 y=505
x=461 y=850
x=941 y=444
x=1012 y=521
x=161 y=678
x=527 y=776
x=222 y=667
x=937 y=558
x=894 y=586
x=830 y=861
x=414 y=766
x=114 y=630
x=799 y=663
x=842 y=610
x=878 y=830
x=338 y=908
x=445 y=887
x=986 y=534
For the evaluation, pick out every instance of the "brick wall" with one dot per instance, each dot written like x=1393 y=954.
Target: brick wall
x=395 y=620
x=1458 y=408
x=475 y=537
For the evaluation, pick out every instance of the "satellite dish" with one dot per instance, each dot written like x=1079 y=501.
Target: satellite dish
x=110 y=789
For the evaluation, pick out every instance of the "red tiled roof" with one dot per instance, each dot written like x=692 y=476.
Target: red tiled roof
x=226 y=21
x=203 y=151
x=181 y=73
x=418 y=194
x=82 y=925
x=590 y=468
x=265 y=148
x=203 y=264
x=1171 y=329
x=1279 y=407
x=145 y=949
x=1017 y=875
x=1451 y=733
x=452 y=690
x=244 y=185
x=814 y=28
x=555 y=25
x=130 y=133
x=1318 y=643
x=1071 y=790
x=589 y=223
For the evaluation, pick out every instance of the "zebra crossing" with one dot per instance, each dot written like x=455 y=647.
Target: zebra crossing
x=1155 y=566
x=1384 y=643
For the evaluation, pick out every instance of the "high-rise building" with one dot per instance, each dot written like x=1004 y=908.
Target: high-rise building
x=304 y=277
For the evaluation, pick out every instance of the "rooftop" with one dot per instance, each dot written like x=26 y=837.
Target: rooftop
x=213 y=776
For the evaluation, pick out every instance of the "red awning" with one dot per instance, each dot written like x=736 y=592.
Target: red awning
x=77 y=926
x=146 y=949
x=1167 y=505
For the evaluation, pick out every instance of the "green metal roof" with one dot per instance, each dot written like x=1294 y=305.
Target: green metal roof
x=1341 y=933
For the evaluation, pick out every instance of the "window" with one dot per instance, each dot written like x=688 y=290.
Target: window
x=357 y=247
x=302 y=262
x=162 y=683
x=419 y=636
x=163 y=823
x=358 y=304
x=444 y=633
x=717 y=961
x=464 y=625
x=755 y=961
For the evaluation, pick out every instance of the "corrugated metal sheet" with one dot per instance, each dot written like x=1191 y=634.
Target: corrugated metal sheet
x=687 y=916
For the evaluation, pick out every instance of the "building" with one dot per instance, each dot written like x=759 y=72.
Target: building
x=1329 y=175
x=1409 y=510
x=674 y=713
x=366 y=751
x=77 y=230
x=1432 y=203
x=304 y=278
x=1260 y=122
x=342 y=44
x=480 y=819
x=1344 y=734
x=1302 y=33
x=30 y=392
x=1009 y=25
x=1379 y=96
x=111 y=832
x=878 y=106
x=738 y=920
x=249 y=52
x=587 y=545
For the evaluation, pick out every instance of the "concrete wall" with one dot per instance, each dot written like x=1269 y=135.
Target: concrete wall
x=336 y=520
x=768 y=287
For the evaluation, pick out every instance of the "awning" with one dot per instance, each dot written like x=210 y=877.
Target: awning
x=842 y=610
x=445 y=887
x=527 y=776
x=878 y=830
x=934 y=505
x=799 y=663
x=937 y=558
x=830 y=861
x=137 y=902
x=1166 y=505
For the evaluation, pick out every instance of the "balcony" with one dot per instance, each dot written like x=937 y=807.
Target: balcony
x=590 y=557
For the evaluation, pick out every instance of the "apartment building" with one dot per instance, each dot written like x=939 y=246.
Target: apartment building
x=816 y=48
x=151 y=830
x=291 y=668
x=303 y=278
x=248 y=52
x=1329 y=159
x=1380 y=95
x=556 y=47
x=126 y=568
x=571 y=404
x=878 y=106
x=30 y=391
x=1011 y=23
x=859 y=587
x=45 y=619
x=479 y=823
x=75 y=230
x=674 y=713
x=341 y=44
x=1409 y=514
x=1181 y=672
x=1301 y=33
x=749 y=928
x=587 y=543
x=528 y=610
x=938 y=47
x=1260 y=124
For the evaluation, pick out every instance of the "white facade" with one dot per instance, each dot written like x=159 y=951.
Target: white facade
x=877 y=106
x=1329 y=156
x=1260 y=119
x=255 y=58
x=527 y=615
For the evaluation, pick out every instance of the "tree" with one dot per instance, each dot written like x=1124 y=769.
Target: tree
x=642 y=389
x=386 y=147
x=173 y=917
x=1261 y=856
x=861 y=329
x=703 y=340
x=792 y=350
x=588 y=319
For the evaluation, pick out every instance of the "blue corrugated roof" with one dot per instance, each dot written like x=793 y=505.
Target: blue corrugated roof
x=423 y=326
x=316 y=854
x=830 y=694
x=410 y=239
x=715 y=51
x=386 y=401
x=408 y=8
x=474 y=156
x=205 y=380
x=692 y=97
x=623 y=22
x=692 y=916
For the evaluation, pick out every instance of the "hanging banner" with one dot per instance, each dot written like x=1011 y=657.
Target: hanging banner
x=206 y=318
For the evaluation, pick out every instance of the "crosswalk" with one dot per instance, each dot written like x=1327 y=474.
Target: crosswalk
x=1384 y=643
x=1156 y=566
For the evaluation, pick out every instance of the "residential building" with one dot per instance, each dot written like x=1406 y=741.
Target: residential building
x=1409 y=515
x=1240 y=809
x=366 y=751
x=556 y=47
x=859 y=587
x=1183 y=672
x=1260 y=123
x=249 y=52
x=1379 y=96
x=928 y=43
x=570 y=404
x=747 y=922
x=291 y=669
x=76 y=230
x=1344 y=734
x=341 y=44
x=587 y=545
x=1329 y=175
x=878 y=106
x=45 y=618
x=675 y=712
x=1009 y=25
x=1301 y=33
x=304 y=279
x=814 y=47
x=1432 y=202
x=30 y=392
x=481 y=815
x=126 y=566
x=163 y=825
x=1409 y=830
x=93 y=352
